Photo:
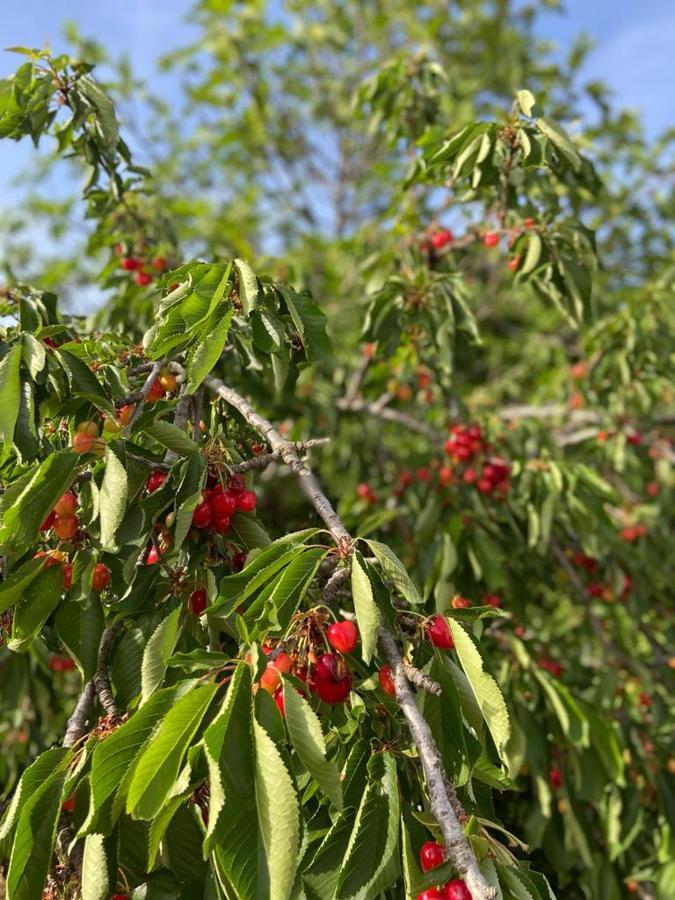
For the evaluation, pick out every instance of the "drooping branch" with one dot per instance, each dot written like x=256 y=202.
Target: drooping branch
x=77 y=723
x=101 y=679
x=458 y=848
x=380 y=411
x=141 y=398
x=265 y=459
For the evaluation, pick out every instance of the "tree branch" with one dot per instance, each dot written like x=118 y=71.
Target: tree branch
x=458 y=848
x=142 y=397
x=76 y=726
x=101 y=680
x=378 y=411
x=260 y=462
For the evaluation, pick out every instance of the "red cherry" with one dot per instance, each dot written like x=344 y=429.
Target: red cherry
x=270 y=680
x=652 y=489
x=100 y=578
x=69 y=804
x=153 y=556
x=155 y=480
x=432 y=893
x=236 y=483
x=514 y=263
x=156 y=392
x=432 y=854
x=342 y=636
x=283 y=662
x=201 y=517
x=645 y=700
x=438 y=632
x=66 y=505
x=555 y=779
x=48 y=522
x=386 y=681
x=278 y=698
x=441 y=238
x=492 y=600
x=470 y=475
x=634 y=438
x=221 y=524
x=423 y=474
x=197 y=601
x=67 y=576
x=61 y=663
x=457 y=890
x=334 y=691
x=246 y=501
x=224 y=503
x=551 y=666
x=458 y=602
x=142 y=279
x=159 y=263
x=66 y=527
x=529 y=223
x=491 y=239
x=130 y=263
x=124 y=413
x=326 y=667
x=82 y=443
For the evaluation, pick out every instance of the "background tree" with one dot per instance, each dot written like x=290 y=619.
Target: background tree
x=428 y=203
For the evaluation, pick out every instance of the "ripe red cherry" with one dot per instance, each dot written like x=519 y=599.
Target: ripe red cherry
x=457 y=890
x=100 y=578
x=270 y=680
x=432 y=854
x=334 y=691
x=124 y=413
x=66 y=505
x=652 y=489
x=159 y=263
x=48 y=522
x=155 y=480
x=514 y=263
x=156 y=392
x=470 y=475
x=246 y=501
x=67 y=576
x=82 y=442
x=483 y=486
x=142 y=279
x=283 y=662
x=69 y=804
x=153 y=556
x=441 y=238
x=492 y=600
x=458 y=602
x=278 y=698
x=130 y=263
x=221 y=524
x=445 y=475
x=438 y=632
x=201 y=517
x=555 y=779
x=645 y=700
x=491 y=239
x=197 y=601
x=65 y=527
x=224 y=503
x=387 y=682
x=236 y=483
x=326 y=667
x=432 y=893
x=342 y=636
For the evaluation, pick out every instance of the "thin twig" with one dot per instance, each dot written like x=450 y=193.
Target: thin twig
x=378 y=411
x=265 y=459
x=458 y=848
x=421 y=680
x=334 y=583
x=142 y=397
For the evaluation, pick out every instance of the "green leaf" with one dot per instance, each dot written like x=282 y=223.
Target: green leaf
x=443 y=713
x=35 y=775
x=157 y=653
x=113 y=498
x=38 y=601
x=234 y=589
x=17 y=582
x=560 y=140
x=395 y=571
x=34 y=354
x=31 y=853
x=105 y=111
x=371 y=864
x=171 y=436
x=278 y=814
x=79 y=627
x=307 y=738
x=367 y=613
x=526 y=102
x=484 y=687
x=203 y=356
x=83 y=382
x=114 y=758
x=287 y=593
x=248 y=286
x=572 y=720
x=21 y=520
x=95 y=884
x=310 y=323
x=10 y=392
x=159 y=764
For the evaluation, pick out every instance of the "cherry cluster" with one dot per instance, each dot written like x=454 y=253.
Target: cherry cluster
x=465 y=445
x=603 y=590
x=432 y=855
x=144 y=268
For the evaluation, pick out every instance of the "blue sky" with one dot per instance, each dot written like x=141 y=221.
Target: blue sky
x=634 y=53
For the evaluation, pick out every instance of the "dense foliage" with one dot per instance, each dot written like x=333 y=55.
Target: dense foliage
x=200 y=696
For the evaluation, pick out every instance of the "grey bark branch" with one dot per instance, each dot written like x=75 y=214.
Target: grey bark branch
x=101 y=679
x=265 y=459
x=76 y=726
x=458 y=848
x=421 y=680
x=142 y=397
x=389 y=415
